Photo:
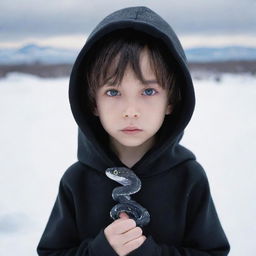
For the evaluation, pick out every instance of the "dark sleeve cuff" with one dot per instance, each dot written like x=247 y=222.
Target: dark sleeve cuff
x=100 y=246
x=149 y=248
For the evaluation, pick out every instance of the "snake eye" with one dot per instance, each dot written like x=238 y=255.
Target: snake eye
x=115 y=172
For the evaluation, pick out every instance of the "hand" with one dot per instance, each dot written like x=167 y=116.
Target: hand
x=123 y=235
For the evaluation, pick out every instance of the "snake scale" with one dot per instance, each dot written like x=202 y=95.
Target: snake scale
x=131 y=185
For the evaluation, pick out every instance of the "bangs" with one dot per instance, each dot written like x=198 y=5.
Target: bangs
x=112 y=54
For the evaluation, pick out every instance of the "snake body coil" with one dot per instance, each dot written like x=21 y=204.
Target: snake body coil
x=131 y=185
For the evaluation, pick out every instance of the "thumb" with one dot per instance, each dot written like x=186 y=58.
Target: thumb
x=123 y=215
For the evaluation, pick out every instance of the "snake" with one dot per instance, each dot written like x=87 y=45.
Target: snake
x=131 y=184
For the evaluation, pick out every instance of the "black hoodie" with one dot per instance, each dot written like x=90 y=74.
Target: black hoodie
x=175 y=188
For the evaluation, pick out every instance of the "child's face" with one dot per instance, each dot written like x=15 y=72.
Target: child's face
x=133 y=104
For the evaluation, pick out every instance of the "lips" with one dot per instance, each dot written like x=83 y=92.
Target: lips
x=131 y=128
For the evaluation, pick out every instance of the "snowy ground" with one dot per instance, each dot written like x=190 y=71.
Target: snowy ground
x=38 y=143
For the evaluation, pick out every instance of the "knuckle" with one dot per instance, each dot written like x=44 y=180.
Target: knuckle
x=109 y=229
x=132 y=222
x=139 y=241
x=136 y=243
x=138 y=230
x=130 y=246
x=143 y=239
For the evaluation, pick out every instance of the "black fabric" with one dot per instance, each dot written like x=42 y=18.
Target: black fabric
x=175 y=188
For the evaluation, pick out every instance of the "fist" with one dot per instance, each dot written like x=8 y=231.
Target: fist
x=123 y=235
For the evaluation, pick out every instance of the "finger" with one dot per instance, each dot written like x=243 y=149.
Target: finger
x=124 y=215
x=132 y=234
x=121 y=226
x=134 y=244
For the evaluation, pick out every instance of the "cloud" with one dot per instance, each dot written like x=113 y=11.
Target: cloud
x=22 y=19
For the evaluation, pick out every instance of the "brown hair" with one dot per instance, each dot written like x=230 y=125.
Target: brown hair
x=109 y=57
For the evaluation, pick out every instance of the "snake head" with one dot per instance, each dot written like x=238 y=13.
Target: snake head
x=121 y=175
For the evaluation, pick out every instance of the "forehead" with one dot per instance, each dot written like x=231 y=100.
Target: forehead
x=146 y=63
x=145 y=59
x=142 y=63
x=149 y=78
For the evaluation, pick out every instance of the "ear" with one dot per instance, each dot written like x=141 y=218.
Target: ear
x=168 y=109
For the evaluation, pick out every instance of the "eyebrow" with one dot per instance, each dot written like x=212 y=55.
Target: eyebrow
x=147 y=82
x=151 y=82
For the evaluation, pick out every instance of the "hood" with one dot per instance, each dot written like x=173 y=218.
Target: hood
x=93 y=147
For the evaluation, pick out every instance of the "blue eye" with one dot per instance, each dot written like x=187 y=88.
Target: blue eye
x=150 y=90
x=111 y=95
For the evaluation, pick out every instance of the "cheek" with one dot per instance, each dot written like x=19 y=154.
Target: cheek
x=155 y=114
x=105 y=103
x=107 y=116
x=153 y=119
x=156 y=108
x=107 y=109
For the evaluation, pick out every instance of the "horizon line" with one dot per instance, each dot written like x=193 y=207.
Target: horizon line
x=188 y=41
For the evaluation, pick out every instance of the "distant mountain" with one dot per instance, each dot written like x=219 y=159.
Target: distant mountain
x=32 y=53
x=234 y=53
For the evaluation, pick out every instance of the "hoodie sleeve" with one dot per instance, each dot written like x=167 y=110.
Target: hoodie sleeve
x=61 y=236
x=204 y=235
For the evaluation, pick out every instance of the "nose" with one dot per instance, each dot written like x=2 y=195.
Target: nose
x=135 y=115
x=130 y=108
x=131 y=114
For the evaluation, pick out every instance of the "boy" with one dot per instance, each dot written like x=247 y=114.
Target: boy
x=132 y=96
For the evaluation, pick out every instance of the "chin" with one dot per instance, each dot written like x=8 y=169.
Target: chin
x=131 y=142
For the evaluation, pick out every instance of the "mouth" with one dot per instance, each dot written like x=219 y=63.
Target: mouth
x=131 y=130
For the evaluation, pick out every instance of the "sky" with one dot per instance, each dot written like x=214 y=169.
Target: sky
x=67 y=23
